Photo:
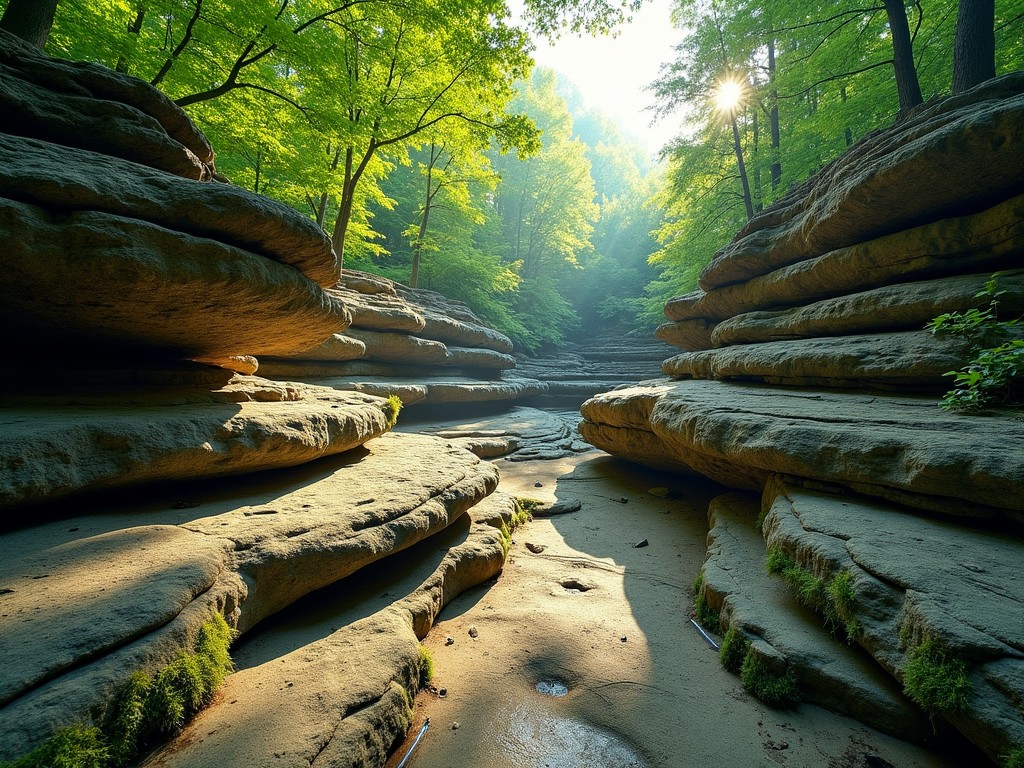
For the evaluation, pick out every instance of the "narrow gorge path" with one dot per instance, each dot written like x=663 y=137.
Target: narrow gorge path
x=594 y=605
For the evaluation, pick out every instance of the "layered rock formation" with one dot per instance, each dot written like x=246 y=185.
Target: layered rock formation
x=415 y=344
x=135 y=459
x=808 y=378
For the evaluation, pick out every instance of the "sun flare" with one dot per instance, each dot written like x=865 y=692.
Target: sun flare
x=728 y=94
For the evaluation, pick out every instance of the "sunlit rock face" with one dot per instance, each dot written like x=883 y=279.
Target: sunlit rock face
x=808 y=377
x=149 y=482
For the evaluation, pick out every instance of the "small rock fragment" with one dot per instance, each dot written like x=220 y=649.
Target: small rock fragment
x=449 y=640
x=535 y=548
x=473 y=631
x=456 y=726
x=622 y=639
x=643 y=543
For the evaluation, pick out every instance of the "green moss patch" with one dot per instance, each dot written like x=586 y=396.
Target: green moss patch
x=733 y=650
x=833 y=598
x=935 y=680
x=774 y=689
x=704 y=613
x=149 y=707
x=426 y=665
x=391 y=410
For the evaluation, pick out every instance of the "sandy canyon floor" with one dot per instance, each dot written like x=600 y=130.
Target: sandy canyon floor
x=583 y=611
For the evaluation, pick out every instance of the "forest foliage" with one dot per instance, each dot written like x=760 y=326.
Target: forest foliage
x=421 y=137
x=813 y=78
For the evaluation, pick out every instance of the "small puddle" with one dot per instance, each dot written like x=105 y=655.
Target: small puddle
x=533 y=738
x=552 y=688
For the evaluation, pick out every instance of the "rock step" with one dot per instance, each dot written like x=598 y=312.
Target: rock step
x=918 y=580
x=311 y=693
x=789 y=637
x=107 y=285
x=68 y=179
x=977 y=243
x=154 y=571
x=903 y=448
x=937 y=150
x=50 y=450
x=909 y=360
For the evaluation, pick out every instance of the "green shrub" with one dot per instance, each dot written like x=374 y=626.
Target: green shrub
x=1015 y=759
x=993 y=375
x=733 y=650
x=935 y=680
x=761 y=681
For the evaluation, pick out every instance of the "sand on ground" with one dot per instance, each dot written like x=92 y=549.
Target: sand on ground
x=609 y=620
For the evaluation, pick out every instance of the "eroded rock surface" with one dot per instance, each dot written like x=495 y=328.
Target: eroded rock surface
x=342 y=699
x=123 y=587
x=790 y=637
x=915 y=580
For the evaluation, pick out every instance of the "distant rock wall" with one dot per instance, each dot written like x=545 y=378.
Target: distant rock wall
x=807 y=378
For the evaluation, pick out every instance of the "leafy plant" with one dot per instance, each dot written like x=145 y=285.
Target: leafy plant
x=1015 y=759
x=936 y=680
x=995 y=371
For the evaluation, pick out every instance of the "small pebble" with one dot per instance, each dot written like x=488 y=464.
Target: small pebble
x=473 y=631
x=535 y=548
x=442 y=692
x=449 y=641
x=538 y=485
x=623 y=638
x=456 y=726
x=643 y=543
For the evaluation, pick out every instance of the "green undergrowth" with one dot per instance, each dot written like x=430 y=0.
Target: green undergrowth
x=426 y=666
x=936 y=680
x=706 y=615
x=149 y=707
x=391 y=410
x=995 y=373
x=833 y=598
x=1015 y=759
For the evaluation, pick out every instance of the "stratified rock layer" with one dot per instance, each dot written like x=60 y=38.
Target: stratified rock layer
x=807 y=368
x=415 y=344
x=785 y=635
x=915 y=580
x=124 y=590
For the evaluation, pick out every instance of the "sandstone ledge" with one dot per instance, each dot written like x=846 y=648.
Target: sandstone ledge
x=903 y=448
x=250 y=424
x=918 y=579
x=255 y=549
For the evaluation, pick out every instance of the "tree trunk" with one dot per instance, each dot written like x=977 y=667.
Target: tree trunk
x=742 y=167
x=907 y=85
x=974 y=47
x=30 y=20
x=773 y=120
x=133 y=29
